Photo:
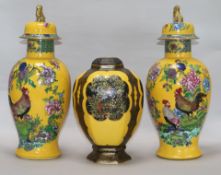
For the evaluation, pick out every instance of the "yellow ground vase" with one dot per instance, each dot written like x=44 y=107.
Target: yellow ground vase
x=178 y=92
x=39 y=92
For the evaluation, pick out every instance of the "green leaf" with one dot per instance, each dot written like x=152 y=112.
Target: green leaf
x=188 y=94
x=48 y=89
x=51 y=98
x=31 y=83
x=26 y=80
x=197 y=90
x=55 y=89
x=163 y=78
x=45 y=99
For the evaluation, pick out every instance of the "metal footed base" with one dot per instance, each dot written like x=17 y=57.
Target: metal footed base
x=108 y=155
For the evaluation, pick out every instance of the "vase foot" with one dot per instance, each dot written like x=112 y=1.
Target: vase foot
x=108 y=155
x=179 y=152
x=48 y=151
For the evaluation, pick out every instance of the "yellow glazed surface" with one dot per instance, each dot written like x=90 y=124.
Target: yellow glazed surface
x=107 y=132
x=39 y=100
x=178 y=29
x=186 y=29
x=159 y=92
x=178 y=92
x=169 y=152
x=40 y=28
x=39 y=92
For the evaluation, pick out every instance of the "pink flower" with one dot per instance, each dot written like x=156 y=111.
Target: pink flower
x=55 y=64
x=46 y=24
x=190 y=81
x=47 y=76
x=154 y=72
x=53 y=107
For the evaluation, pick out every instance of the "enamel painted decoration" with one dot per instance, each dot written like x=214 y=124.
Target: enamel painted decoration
x=108 y=102
x=178 y=92
x=39 y=92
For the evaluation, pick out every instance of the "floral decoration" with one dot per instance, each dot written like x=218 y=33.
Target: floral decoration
x=47 y=76
x=55 y=64
x=178 y=26
x=191 y=81
x=181 y=66
x=32 y=133
x=206 y=85
x=152 y=75
x=184 y=119
x=152 y=103
x=53 y=107
x=169 y=77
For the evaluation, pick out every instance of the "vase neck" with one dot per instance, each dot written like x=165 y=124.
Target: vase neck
x=40 y=48
x=178 y=49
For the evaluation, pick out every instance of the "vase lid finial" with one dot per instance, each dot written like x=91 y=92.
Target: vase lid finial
x=178 y=29
x=40 y=29
x=39 y=13
x=177 y=17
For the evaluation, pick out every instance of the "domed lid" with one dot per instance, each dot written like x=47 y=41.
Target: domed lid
x=40 y=29
x=107 y=63
x=178 y=29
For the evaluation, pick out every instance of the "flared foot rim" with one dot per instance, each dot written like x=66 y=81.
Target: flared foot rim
x=179 y=155
x=38 y=157
x=108 y=155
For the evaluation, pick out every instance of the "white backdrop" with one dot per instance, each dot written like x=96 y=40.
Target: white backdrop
x=129 y=30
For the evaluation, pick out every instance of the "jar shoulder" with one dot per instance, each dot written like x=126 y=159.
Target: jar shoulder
x=123 y=73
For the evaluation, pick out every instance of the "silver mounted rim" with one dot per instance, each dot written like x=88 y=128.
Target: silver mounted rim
x=40 y=36
x=178 y=37
x=107 y=63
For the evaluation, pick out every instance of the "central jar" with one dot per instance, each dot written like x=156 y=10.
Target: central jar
x=108 y=101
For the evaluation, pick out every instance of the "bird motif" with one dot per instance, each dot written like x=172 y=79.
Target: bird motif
x=99 y=106
x=185 y=105
x=22 y=106
x=169 y=116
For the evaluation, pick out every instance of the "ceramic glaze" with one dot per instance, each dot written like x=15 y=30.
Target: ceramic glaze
x=39 y=94
x=108 y=102
x=178 y=93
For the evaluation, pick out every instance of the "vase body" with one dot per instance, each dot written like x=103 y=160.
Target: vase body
x=108 y=102
x=39 y=94
x=178 y=95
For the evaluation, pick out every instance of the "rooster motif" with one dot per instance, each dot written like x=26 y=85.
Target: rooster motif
x=185 y=105
x=169 y=116
x=22 y=106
